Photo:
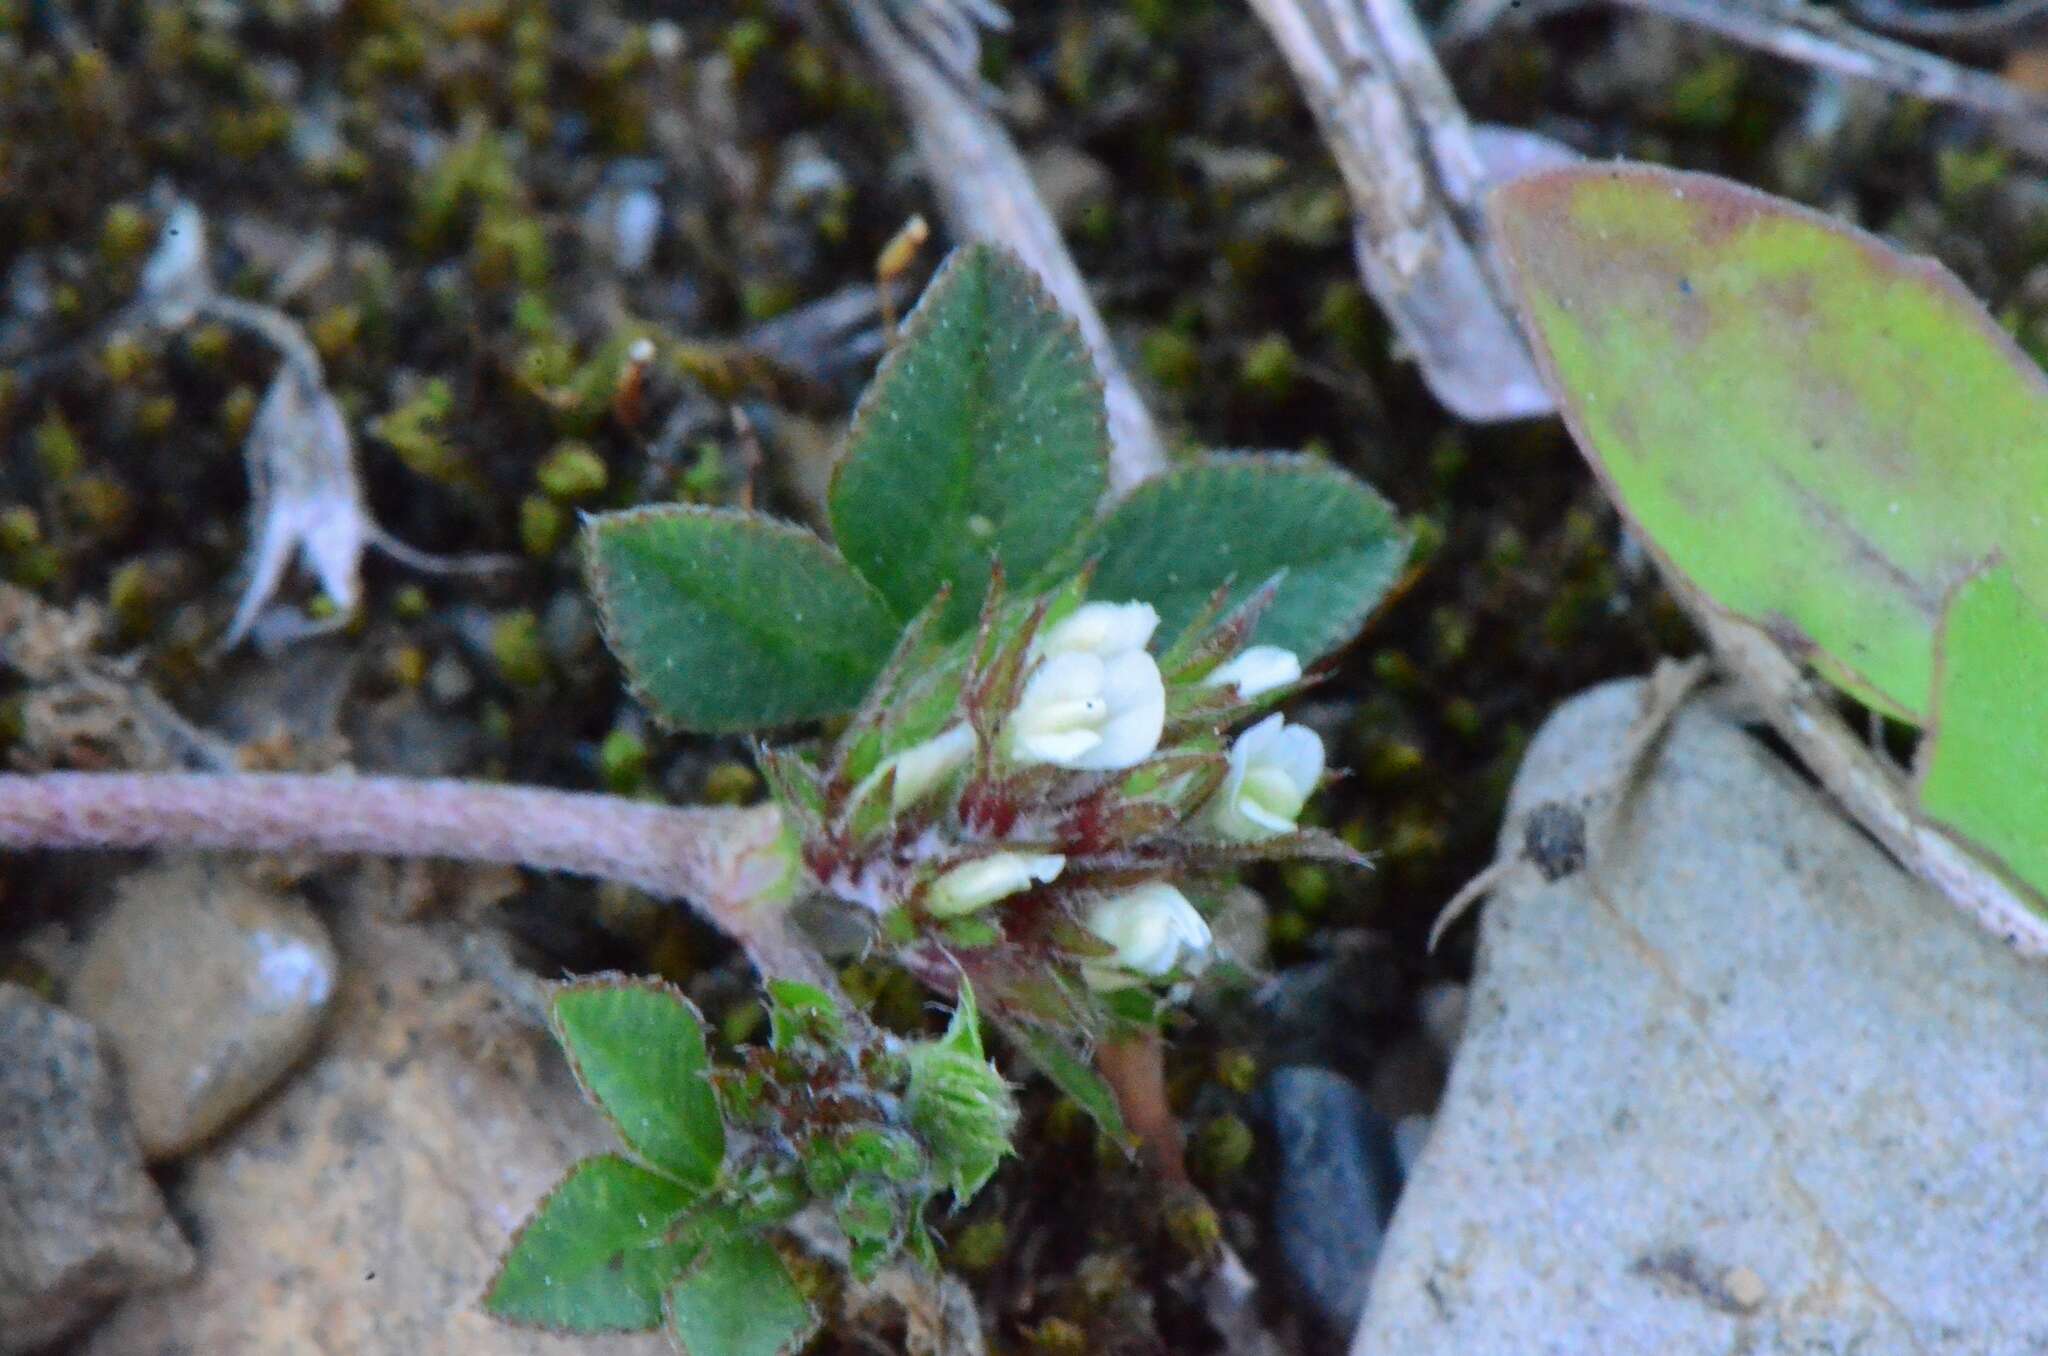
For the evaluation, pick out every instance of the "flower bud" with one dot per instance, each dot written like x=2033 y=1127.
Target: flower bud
x=1150 y=926
x=1274 y=768
x=959 y=1104
x=922 y=766
x=980 y=883
x=1257 y=671
x=1095 y=701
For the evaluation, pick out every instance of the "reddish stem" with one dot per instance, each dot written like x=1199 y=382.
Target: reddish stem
x=725 y=862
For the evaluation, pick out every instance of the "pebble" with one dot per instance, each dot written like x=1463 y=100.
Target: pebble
x=208 y=989
x=1741 y=1084
x=364 y=1208
x=81 y=1223
x=1335 y=1183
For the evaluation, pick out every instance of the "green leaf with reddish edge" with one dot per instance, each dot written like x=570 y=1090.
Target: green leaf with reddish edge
x=1823 y=435
x=637 y=1047
x=1241 y=519
x=1984 y=764
x=1071 y=1073
x=982 y=436
x=596 y=1256
x=738 y=1299
x=731 y=621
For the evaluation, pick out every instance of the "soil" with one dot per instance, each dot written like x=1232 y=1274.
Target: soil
x=433 y=187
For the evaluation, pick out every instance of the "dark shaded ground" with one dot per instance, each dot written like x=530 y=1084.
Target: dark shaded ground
x=442 y=179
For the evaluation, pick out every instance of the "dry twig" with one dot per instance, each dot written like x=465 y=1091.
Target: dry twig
x=1416 y=176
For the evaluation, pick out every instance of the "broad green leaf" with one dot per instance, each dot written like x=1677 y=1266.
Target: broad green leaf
x=1984 y=764
x=1070 y=1073
x=739 y=1300
x=1823 y=435
x=638 y=1049
x=982 y=436
x=732 y=621
x=1242 y=519
x=595 y=1256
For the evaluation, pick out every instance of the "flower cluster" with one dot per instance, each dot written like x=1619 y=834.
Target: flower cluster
x=1038 y=806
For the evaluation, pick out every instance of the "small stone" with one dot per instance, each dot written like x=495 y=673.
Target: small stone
x=365 y=1208
x=1745 y=1289
x=1334 y=1188
x=207 y=988
x=449 y=681
x=1071 y=181
x=1740 y=1043
x=80 y=1222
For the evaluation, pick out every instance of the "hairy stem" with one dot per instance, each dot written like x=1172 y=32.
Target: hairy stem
x=728 y=863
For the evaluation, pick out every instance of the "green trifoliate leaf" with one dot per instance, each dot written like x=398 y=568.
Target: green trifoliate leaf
x=1242 y=520
x=982 y=437
x=595 y=1257
x=1072 y=1074
x=800 y=1012
x=734 y=621
x=738 y=1299
x=637 y=1046
x=958 y=1102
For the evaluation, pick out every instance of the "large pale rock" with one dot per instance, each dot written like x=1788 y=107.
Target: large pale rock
x=1740 y=1086
x=208 y=988
x=80 y=1221
x=364 y=1208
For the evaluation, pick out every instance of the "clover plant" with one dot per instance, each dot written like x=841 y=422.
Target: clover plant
x=1033 y=741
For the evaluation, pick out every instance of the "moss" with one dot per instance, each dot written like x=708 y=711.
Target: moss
x=1964 y=174
x=124 y=360
x=744 y=43
x=622 y=761
x=19 y=529
x=516 y=647
x=572 y=473
x=979 y=1246
x=1222 y=1147
x=1172 y=359
x=474 y=173
x=1269 y=367
x=58 y=455
x=542 y=523
x=509 y=247
x=337 y=330
x=413 y=429
x=133 y=595
x=731 y=784
x=1236 y=1069
x=125 y=235
x=238 y=412
x=406 y=666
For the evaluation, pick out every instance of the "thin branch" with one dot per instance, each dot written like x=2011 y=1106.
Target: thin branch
x=986 y=193
x=1414 y=171
x=1865 y=785
x=1948 y=25
x=728 y=863
x=1817 y=37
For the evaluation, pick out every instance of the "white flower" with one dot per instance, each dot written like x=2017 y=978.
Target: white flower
x=922 y=766
x=980 y=883
x=1151 y=926
x=1101 y=629
x=1274 y=768
x=1257 y=671
x=1095 y=702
